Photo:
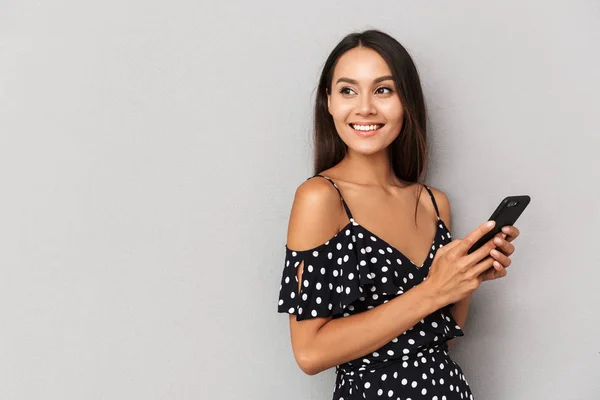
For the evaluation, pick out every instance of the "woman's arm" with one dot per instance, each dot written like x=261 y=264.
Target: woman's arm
x=460 y=309
x=459 y=312
x=321 y=343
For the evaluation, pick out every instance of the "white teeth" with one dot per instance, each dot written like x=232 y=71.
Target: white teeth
x=365 y=127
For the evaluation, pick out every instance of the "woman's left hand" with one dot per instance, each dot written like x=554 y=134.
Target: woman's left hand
x=501 y=254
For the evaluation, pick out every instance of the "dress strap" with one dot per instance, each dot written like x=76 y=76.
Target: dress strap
x=348 y=213
x=437 y=212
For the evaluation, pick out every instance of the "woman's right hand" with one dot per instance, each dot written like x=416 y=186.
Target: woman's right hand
x=454 y=274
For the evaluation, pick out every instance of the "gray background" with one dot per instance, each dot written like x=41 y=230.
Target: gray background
x=149 y=153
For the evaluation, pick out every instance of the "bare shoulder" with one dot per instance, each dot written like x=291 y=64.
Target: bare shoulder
x=315 y=216
x=443 y=204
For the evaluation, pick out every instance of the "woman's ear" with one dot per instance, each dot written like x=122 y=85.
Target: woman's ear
x=328 y=101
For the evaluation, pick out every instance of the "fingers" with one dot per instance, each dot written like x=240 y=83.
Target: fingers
x=503 y=245
x=491 y=274
x=500 y=260
x=474 y=236
x=503 y=250
x=447 y=247
x=450 y=246
x=494 y=266
x=490 y=260
x=499 y=267
x=480 y=253
x=483 y=266
x=511 y=232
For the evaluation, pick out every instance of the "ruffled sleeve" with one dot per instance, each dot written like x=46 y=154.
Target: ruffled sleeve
x=330 y=279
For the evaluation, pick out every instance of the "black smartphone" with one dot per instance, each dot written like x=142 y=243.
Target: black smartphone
x=507 y=213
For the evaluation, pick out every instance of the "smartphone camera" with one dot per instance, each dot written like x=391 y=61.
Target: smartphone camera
x=512 y=204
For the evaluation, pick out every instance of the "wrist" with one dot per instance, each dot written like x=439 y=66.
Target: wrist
x=431 y=295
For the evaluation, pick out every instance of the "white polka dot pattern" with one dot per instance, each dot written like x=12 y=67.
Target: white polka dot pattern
x=355 y=271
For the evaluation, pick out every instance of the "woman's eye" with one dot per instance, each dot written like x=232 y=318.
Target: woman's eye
x=384 y=88
x=345 y=90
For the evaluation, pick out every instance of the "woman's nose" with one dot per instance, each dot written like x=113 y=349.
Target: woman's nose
x=366 y=106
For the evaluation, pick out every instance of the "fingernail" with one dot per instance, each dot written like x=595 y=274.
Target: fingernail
x=506 y=229
x=490 y=224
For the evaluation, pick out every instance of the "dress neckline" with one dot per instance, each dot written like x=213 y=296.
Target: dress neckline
x=439 y=225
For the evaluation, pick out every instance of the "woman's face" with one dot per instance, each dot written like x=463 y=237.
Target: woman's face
x=363 y=97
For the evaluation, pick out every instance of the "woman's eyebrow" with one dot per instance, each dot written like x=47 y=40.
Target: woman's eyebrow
x=381 y=78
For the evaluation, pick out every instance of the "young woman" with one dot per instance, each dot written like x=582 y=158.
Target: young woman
x=372 y=281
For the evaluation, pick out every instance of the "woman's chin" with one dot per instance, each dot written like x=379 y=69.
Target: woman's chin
x=366 y=149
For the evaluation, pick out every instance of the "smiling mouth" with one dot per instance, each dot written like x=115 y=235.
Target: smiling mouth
x=366 y=128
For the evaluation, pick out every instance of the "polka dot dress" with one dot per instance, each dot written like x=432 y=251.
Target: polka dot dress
x=354 y=271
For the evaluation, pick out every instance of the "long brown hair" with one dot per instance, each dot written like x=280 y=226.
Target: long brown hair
x=408 y=153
